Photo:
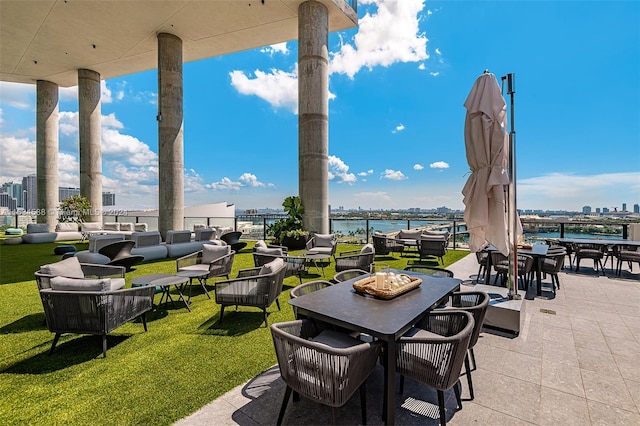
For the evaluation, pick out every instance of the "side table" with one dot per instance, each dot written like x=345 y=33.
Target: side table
x=164 y=282
x=201 y=276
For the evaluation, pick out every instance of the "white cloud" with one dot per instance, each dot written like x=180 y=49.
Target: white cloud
x=67 y=123
x=418 y=167
x=18 y=157
x=438 y=52
x=434 y=74
x=367 y=173
x=385 y=37
x=245 y=180
x=1 y=117
x=399 y=128
x=279 y=88
x=17 y=95
x=439 y=165
x=71 y=93
x=128 y=149
x=393 y=175
x=339 y=170
x=422 y=66
x=111 y=121
x=276 y=48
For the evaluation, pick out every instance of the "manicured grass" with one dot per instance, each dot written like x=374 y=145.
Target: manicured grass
x=184 y=361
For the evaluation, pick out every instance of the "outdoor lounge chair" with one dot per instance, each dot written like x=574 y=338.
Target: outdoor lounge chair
x=325 y=366
x=263 y=254
x=75 y=303
x=119 y=254
x=217 y=260
x=356 y=259
x=432 y=246
x=322 y=244
x=384 y=245
x=257 y=287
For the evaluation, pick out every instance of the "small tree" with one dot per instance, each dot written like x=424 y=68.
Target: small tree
x=75 y=208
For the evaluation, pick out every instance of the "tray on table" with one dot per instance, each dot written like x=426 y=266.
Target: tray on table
x=367 y=286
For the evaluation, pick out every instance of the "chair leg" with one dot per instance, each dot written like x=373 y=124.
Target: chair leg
x=457 y=389
x=473 y=358
x=55 y=342
x=221 y=313
x=467 y=367
x=283 y=407
x=363 y=402
x=443 y=414
x=104 y=345
x=401 y=384
x=143 y=318
x=278 y=304
x=334 y=415
x=266 y=322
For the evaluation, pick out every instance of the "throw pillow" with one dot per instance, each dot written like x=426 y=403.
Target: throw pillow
x=91 y=226
x=260 y=245
x=271 y=267
x=69 y=267
x=111 y=226
x=211 y=252
x=324 y=240
x=276 y=251
x=37 y=228
x=140 y=227
x=67 y=227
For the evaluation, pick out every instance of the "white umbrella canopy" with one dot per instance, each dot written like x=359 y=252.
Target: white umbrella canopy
x=487 y=146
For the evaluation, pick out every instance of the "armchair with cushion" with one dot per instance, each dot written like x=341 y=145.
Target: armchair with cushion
x=75 y=303
x=432 y=246
x=595 y=252
x=384 y=245
x=263 y=254
x=356 y=259
x=322 y=244
x=325 y=366
x=214 y=259
x=257 y=287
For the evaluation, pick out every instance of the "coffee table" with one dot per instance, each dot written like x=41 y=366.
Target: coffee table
x=201 y=276
x=164 y=282
x=315 y=257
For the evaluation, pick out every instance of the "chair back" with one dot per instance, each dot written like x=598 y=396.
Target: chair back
x=348 y=274
x=476 y=303
x=309 y=287
x=436 y=360
x=427 y=270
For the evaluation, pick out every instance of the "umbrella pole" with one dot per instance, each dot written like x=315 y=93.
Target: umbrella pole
x=512 y=194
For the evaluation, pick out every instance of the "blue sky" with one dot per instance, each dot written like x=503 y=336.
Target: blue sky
x=396 y=117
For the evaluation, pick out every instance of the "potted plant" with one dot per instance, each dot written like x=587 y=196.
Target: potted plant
x=288 y=231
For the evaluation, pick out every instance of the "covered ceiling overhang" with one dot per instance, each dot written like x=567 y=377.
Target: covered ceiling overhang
x=52 y=39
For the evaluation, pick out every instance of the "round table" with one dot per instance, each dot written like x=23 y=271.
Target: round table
x=201 y=276
x=315 y=257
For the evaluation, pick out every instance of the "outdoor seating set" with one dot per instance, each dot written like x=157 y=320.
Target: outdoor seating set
x=426 y=243
x=325 y=358
x=599 y=251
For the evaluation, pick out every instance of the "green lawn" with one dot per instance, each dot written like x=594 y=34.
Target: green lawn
x=183 y=362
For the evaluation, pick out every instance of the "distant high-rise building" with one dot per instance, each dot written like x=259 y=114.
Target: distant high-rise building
x=66 y=192
x=598 y=210
x=6 y=200
x=30 y=192
x=108 y=199
x=624 y=207
x=14 y=190
x=636 y=208
x=605 y=210
x=586 y=210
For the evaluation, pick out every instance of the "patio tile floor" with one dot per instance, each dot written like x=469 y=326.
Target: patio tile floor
x=576 y=361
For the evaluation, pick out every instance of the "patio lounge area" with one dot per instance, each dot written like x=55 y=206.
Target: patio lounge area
x=575 y=362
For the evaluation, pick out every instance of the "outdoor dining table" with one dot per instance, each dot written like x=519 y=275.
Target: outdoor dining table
x=386 y=320
x=537 y=251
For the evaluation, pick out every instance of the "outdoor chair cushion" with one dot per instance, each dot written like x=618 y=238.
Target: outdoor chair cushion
x=127 y=227
x=83 y=284
x=69 y=268
x=67 y=227
x=367 y=248
x=260 y=244
x=91 y=226
x=272 y=251
x=412 y=234
x=37 y=228
x=335 y=339
x=178 y=237
x=271 y=267
x=211 y=252
x=111 y=226
x=140 y=227
x=324 y=240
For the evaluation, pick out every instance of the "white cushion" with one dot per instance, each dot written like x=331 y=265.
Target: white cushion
x=211 y=252
x=67 y=227
x=69 y=267
x=127 y=226
x=111 y=226
x=271 y=267
x=324 y=240
x=276 y=251
x=140 y=227
x=83 y=284
x=91 y=226
x=335 y=339
x=260 y=244
x=367 y=248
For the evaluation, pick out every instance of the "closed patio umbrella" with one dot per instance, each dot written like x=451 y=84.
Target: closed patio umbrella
x=487 y=147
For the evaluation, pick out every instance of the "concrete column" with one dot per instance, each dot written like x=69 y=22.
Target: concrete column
x=90 y=141
x=47 y=152
x=170 y=137
x=313 y=115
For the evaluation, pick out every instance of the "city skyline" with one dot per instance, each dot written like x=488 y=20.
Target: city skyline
x=397 y=85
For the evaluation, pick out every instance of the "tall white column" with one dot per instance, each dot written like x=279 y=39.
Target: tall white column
x=47 y=152
x=313 y=115
x=170 y=136
x=90 y=133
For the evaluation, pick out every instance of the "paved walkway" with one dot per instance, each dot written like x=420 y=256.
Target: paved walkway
x=575 y=362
